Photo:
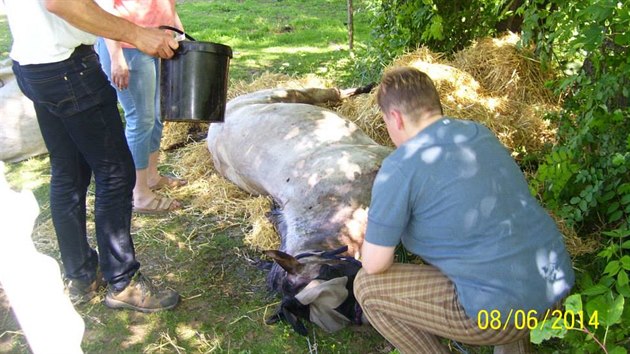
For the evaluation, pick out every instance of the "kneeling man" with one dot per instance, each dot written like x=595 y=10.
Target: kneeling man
x=453 y=195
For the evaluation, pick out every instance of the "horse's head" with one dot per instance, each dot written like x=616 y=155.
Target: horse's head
x=316 y=287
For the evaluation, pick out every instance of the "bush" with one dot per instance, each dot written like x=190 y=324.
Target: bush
x=585 y=179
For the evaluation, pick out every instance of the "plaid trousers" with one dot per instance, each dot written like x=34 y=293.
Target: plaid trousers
x=413 y=305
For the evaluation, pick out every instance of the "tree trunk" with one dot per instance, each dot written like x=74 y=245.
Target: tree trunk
x=350 y=26
x=513 y=23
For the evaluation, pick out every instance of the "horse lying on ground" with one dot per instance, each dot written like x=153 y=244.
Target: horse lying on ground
x=319 y=168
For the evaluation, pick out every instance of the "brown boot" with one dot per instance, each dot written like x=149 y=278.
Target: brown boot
x=80 y=291
x=141 y=295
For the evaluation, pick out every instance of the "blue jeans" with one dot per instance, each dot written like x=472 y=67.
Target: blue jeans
x=140 y=102
x=79 y=120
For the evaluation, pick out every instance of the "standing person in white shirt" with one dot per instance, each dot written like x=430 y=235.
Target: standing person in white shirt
x=57 y=68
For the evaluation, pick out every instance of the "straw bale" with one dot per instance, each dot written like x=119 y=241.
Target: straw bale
x=449 y=81
x=364 y=112
x=519 y=124
x=504 y=68
x=421 y=54
x=457 y=90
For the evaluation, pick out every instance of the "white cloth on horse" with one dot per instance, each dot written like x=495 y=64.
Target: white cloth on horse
x=324 y=297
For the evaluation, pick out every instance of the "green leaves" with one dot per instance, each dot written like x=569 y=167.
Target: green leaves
x=618 y=350
x=556 y=172
x=608 y=308
x=443 y=26
x=588 y=187
x=546 y=331
x=573 y=303
x=585 y=179
x=617 y=233
x=436 y=29
x=612 y=268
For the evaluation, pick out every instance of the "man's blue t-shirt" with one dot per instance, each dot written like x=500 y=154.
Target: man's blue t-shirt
x=455 y=197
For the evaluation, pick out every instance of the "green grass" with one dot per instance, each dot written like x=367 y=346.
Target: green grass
x=286 y=36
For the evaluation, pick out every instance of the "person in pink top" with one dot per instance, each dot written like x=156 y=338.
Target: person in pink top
x=134 y=75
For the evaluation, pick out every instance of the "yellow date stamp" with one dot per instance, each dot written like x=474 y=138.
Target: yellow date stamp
x=531 y=319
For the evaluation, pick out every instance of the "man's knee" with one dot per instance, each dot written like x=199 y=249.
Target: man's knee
x=366 y=286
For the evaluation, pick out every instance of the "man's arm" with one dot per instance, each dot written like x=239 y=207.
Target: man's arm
x=376 y=259
x=88 y=16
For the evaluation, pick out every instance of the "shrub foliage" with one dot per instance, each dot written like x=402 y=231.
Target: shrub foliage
x=585 y=177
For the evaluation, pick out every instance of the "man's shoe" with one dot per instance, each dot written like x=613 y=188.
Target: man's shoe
x=141 y=295
x=80 y=291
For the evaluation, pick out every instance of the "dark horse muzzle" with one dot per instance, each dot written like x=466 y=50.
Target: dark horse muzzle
x=318 y=288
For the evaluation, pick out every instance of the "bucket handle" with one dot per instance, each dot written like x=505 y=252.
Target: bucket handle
x=178 y=31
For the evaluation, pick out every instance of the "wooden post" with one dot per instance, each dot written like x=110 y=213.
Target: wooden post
x=350 y=26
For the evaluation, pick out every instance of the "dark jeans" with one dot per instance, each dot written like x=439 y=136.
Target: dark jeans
x=82 y=128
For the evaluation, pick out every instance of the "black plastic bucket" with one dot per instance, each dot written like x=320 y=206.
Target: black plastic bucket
x=194 y=82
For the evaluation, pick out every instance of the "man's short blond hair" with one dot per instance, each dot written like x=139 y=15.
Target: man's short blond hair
x=409 y=90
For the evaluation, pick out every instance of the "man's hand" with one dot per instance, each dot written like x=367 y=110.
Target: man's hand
x=155 y=42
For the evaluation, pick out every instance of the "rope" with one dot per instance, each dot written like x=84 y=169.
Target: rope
x=332 y=254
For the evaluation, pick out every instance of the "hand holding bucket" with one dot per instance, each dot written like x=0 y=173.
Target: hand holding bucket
x=181 y=35
x=193 y=83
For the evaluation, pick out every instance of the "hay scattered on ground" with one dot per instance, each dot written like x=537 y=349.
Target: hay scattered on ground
x=178 y=134
x=211 y=195
x=263 y=235
x=207 y=192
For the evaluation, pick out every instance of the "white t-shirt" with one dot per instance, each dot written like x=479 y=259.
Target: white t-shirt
x=40 y=36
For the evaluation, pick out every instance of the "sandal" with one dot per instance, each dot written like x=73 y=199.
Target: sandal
x=159 y=205
x=168 y=181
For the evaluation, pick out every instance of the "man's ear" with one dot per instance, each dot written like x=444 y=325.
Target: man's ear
x=397 y=116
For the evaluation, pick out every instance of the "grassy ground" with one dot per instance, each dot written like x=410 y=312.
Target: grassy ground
x=286 y=36
x=224 y=299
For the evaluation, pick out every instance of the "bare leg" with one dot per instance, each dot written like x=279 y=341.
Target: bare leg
x=153 y=176
x=143 y=195
x=156 y=181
